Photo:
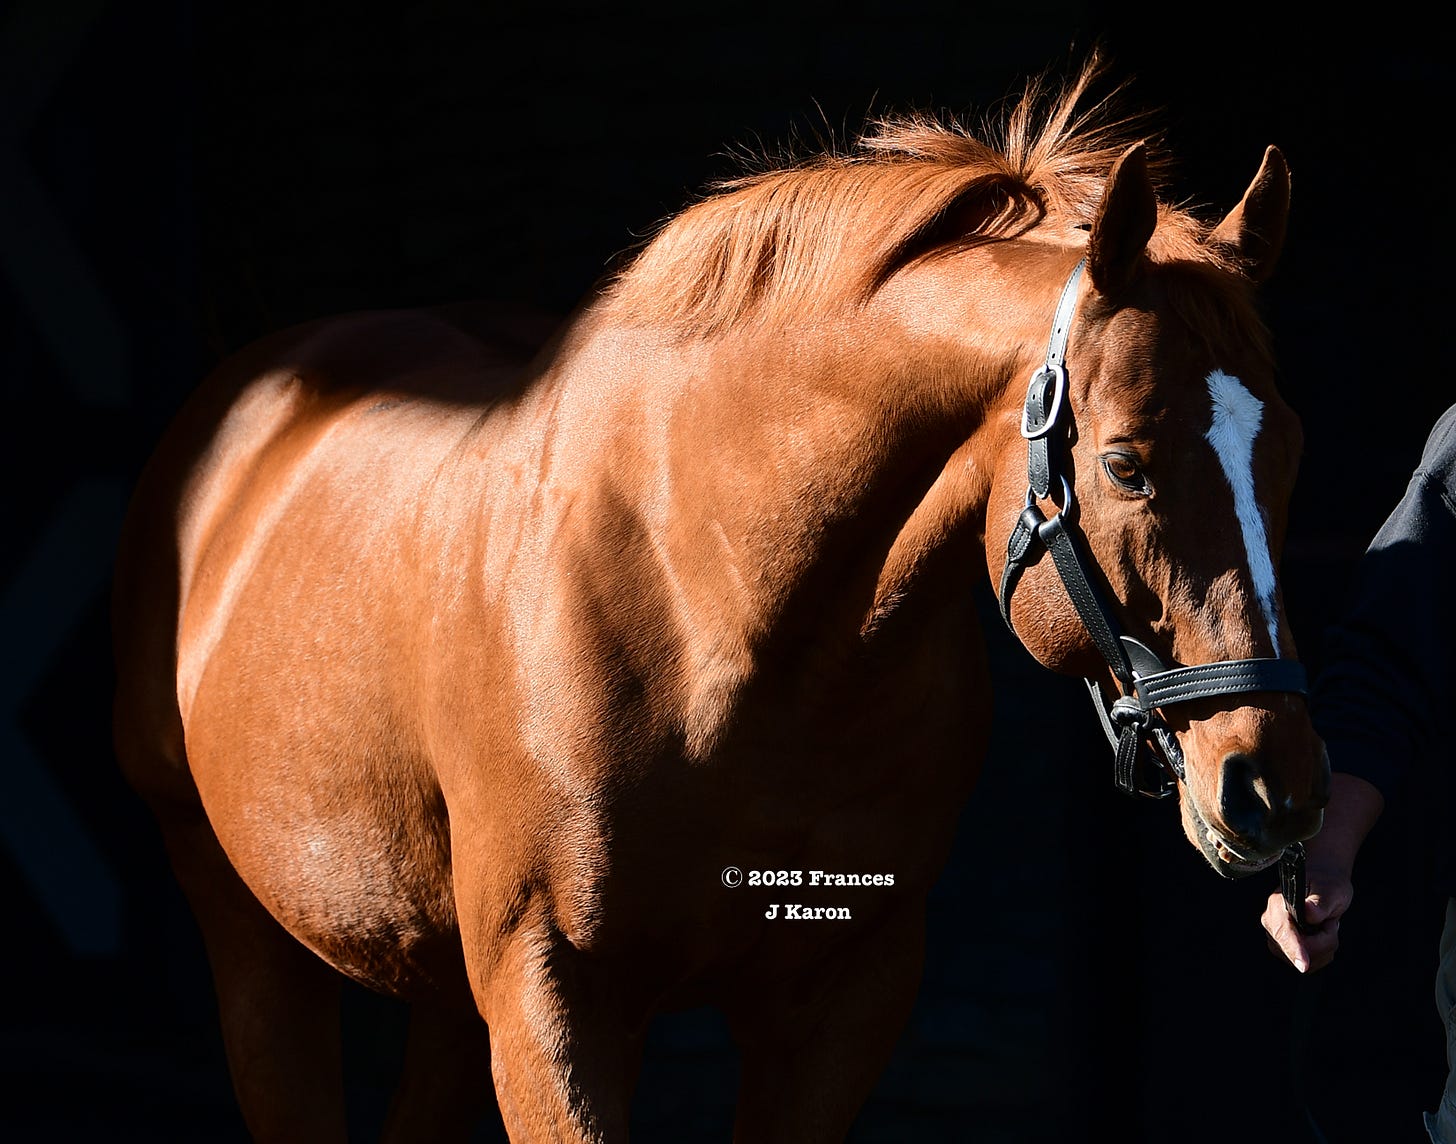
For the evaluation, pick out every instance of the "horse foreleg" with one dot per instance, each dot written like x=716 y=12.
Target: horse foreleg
x=814 y=1045
x=564 y=1050
x=444 y=1091
x=278 y=1003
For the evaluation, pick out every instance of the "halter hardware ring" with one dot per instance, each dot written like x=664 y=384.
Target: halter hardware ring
x=1059 y=388
x=1069 y=502
x=1127 y=711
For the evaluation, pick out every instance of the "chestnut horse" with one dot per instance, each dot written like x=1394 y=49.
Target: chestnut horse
x=647 y=673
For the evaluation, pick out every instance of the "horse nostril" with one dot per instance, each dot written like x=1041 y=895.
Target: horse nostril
x=1241 y=797
x=1255 y=813
x=1236 y=793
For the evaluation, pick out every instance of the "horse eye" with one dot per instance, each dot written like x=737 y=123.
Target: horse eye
x=1125 y=472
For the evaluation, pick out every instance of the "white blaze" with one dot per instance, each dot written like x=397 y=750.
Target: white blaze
x=1237 y=415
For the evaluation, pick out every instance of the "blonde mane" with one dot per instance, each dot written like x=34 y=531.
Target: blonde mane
x=830 y=229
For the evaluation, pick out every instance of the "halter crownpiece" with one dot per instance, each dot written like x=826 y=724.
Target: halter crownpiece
x=1132 y=722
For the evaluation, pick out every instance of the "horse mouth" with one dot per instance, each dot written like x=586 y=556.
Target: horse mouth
x=1224 y=856
x=1231 y=862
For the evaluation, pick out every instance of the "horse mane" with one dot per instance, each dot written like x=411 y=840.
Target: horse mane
x=829 y=229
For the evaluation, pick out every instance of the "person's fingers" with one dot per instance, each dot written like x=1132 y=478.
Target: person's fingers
x=1330 y=895
x=1323 y=905
x=1284 y=939
x=1305 y=951
x=1322 y=944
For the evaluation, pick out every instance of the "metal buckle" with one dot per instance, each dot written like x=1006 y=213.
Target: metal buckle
x=1059 y=379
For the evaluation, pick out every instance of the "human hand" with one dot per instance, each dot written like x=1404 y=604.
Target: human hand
x=1329 y=896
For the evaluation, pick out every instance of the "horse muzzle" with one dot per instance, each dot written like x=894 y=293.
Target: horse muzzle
x=1255 y=813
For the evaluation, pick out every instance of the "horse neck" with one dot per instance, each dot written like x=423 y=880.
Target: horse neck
x=830 y=459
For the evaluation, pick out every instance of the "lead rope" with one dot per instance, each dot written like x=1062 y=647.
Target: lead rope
x=1293 y=886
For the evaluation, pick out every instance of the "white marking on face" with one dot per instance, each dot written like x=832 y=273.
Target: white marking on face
x=1237 y=416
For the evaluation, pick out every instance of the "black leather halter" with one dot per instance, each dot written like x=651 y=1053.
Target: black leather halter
x=1149 y=761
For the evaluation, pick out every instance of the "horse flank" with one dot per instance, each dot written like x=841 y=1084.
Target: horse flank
x=823 y=233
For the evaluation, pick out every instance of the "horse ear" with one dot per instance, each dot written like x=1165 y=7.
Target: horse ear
x=1253 y=232
x=1124 y=222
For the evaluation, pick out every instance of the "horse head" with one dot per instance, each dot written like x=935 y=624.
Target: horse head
x=1161 y=457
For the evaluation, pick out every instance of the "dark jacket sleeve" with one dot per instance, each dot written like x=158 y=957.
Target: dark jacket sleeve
x=1388 y=680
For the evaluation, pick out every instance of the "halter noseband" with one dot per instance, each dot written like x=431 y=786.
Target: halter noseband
x=1132 y=722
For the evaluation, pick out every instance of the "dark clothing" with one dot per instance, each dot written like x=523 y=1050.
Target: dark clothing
x=1388 y=686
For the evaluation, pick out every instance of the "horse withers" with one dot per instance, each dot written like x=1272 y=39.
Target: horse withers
x=646 y=673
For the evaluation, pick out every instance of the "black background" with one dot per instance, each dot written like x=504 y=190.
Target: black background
x=179 y=181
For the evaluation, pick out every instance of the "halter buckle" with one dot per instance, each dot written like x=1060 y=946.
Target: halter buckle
x=1036 y=424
